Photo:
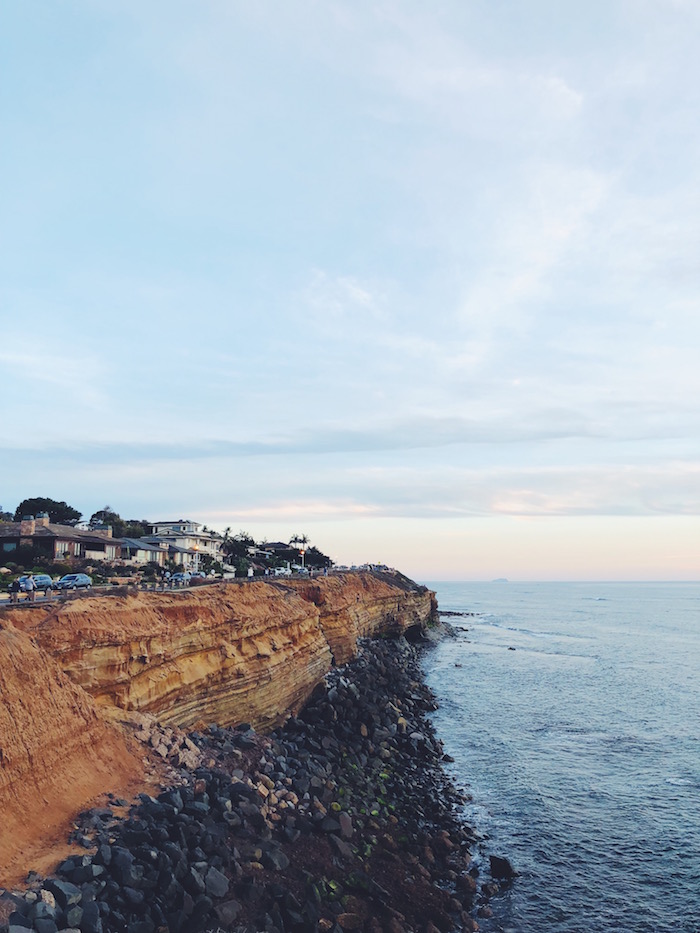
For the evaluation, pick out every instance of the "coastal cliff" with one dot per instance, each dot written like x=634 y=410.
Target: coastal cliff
x=56 y=750
x=224 y=653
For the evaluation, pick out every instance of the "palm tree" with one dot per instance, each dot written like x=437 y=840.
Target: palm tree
x=301 y=541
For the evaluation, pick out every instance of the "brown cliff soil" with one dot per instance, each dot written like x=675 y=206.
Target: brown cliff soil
x=56 y=754
x=224 y=653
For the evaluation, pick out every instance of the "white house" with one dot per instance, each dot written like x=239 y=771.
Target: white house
x=186 y=541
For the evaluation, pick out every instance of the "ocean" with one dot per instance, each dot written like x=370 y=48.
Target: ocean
x=580 y=748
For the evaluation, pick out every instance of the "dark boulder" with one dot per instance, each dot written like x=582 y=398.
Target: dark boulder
x=64 y=892
x=501 y=867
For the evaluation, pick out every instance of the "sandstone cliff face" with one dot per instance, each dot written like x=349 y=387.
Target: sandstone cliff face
x=56 y=752
x=357 y=605
x=212 y=654
x=225 y=653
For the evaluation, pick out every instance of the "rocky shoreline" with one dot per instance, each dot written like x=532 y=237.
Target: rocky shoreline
x=343 y=819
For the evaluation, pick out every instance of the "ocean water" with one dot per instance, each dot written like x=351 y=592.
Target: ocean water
x=580 y=748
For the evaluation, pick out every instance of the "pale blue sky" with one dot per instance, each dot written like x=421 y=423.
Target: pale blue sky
x=418 y=280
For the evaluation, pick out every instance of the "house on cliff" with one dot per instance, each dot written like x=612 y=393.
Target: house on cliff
x=139 y=551
x=186 y=541
x=57 y=542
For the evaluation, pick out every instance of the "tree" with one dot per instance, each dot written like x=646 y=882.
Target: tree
x=207 y=563
x=316 y=558
x=135 y=528
x=300 y=542
x=236 y=547
x=236 y=550
x=60 y=513
x=107 y=516
x=121 y=527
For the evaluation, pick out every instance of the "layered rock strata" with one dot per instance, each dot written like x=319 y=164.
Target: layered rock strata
x=358 y=605
x=224 y=654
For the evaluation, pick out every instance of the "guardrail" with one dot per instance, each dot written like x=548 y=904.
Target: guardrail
x=43 y=599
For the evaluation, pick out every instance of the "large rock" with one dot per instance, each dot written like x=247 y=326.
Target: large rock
x=501 y=867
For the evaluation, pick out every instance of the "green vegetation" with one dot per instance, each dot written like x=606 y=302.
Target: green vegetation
x=121 y=528
x=242 y=551
x=59 y=513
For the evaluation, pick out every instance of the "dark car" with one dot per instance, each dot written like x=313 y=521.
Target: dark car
x=74 y=581
x=42 y=581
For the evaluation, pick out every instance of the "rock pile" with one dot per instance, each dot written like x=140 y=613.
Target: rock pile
x=341 y=820
x=169 y=743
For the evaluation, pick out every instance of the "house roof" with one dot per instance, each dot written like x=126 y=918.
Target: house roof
x=177 y=521
x=140 y=544
x=154 y=539
x=53 y=531
x=178 y=533
x=64 y=532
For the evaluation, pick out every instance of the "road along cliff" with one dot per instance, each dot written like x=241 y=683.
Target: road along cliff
x=226 y=654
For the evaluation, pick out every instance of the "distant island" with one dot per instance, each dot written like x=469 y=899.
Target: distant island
x=500 y=580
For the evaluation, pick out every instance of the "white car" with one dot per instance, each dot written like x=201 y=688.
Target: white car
x=283 y=572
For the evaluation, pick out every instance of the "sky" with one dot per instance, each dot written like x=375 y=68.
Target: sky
x=420 y=281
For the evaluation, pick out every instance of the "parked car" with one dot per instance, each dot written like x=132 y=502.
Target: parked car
x=181 y=579
x=283 y=572
x=42 y=581
x=74 y=581
x=199 y=573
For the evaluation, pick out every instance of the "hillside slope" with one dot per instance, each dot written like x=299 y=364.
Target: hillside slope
x=56 y=751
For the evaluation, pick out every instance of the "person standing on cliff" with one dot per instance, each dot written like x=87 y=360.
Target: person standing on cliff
x=30 y=588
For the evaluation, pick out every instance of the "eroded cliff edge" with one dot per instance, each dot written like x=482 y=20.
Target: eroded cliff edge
x=225 y=653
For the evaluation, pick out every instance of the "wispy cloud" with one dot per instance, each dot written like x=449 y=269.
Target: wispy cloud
x=551 y=217
x=39 y=371
x=332 y=300
x=429 y=63
x=351 y=260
